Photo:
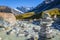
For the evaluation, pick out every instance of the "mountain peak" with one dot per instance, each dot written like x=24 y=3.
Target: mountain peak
x=25 y=9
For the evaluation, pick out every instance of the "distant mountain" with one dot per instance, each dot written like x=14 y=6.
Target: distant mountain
x=24 y=9
x=46 y=5
x=16 y=11
x=7 y=9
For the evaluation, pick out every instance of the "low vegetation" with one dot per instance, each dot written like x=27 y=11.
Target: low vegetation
x=32 y=15
x=52 y=12
x=25 y=15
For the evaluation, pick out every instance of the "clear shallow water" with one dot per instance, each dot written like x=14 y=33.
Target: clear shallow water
x=10 y=37
x=55 y=25
x=36 y=22
x=13 y=36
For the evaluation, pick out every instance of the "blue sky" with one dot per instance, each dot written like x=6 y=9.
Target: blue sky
x=15 y=3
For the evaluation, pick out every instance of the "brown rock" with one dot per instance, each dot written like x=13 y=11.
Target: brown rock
x=9 y=17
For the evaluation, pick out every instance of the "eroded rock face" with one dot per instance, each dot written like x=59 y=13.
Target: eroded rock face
x=7 y=17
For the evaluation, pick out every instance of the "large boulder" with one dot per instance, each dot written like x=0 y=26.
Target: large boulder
x=7 y=19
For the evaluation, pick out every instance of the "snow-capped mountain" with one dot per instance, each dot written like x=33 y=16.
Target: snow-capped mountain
x=24 y=9
x=16 y=11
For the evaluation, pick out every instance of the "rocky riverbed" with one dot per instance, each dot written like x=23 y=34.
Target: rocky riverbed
x=23 y=28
